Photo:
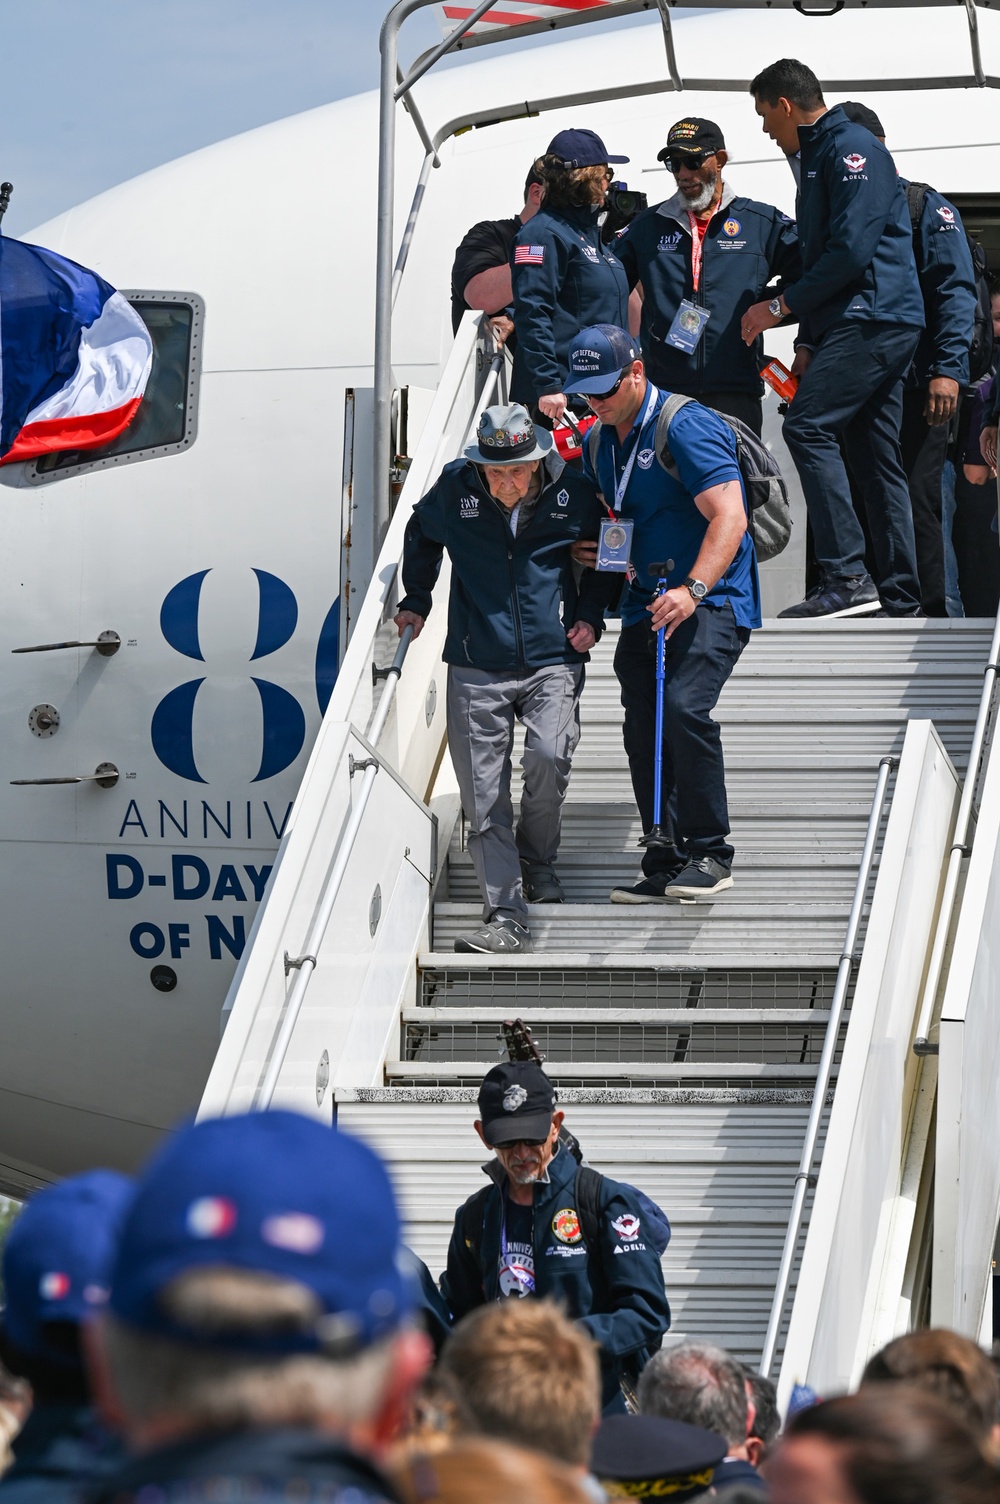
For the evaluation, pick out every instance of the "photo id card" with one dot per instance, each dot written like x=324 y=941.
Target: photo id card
x=614 y=545
x=686 y=329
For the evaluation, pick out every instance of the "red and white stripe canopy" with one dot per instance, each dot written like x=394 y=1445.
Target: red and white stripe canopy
x=508 y=13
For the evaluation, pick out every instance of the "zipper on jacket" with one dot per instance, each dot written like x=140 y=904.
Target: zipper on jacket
x=518 y=629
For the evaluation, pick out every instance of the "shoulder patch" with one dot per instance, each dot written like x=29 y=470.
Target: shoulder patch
x=562 y=498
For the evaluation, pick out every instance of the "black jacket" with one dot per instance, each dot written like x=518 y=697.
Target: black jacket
x=266 y=1466
x=615 y=1291
x=512 y=599
x=570 y=280
x=60 y=1453
x=854 y=233
x=746 y=245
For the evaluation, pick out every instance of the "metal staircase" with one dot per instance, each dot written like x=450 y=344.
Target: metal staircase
x=684 y=1039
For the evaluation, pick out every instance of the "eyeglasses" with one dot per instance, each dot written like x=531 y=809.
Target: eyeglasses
x=526 y=1143
x=676 y=163
x=592 y=397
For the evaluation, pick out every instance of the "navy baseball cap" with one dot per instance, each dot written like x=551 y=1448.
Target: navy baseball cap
x=516 y=1103
x=647 y=1456
x=581 y=148
x=598 y=356
x=270 y=1193
x=693 y=137
x=57 y=1259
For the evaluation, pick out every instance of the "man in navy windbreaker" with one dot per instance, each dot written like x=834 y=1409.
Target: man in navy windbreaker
x=717 y=250
x=519 y=631
x=860 y=313
x=524 y=1235
x=940 y=370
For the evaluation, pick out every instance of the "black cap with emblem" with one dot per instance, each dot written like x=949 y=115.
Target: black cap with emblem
x=647 y=1457
x=516 y=1103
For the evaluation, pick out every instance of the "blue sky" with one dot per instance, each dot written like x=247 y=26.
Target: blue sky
x=93 y=93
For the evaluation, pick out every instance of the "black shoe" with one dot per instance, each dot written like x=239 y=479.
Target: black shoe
x=703 y=877
x=649 y=889
x=540 y=884
x=501 y=937
x=914 y=615
x=854 y=596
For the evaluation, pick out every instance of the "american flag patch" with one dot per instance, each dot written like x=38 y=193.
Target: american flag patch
x=529 y=255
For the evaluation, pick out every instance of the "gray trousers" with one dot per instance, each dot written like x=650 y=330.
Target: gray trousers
x=482 y=707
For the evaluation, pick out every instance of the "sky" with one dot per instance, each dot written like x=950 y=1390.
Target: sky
x=94 y=93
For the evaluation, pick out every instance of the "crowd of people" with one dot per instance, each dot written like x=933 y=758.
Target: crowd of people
x=654 y=334
x=243 y=1322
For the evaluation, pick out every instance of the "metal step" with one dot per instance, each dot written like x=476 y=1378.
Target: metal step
x=726 y=926
x=770 y=877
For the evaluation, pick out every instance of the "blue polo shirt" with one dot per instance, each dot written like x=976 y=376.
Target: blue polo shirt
x=668 y=525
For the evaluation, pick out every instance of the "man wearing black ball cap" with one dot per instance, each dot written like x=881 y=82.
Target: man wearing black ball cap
x=708 y=247
x=647 y=1457
x=524 y=1235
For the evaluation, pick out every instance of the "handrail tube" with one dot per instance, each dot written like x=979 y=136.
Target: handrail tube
x=430 y=160
x=427 y=61
x=825 y=1068
x=959 y=849
x=331 y=889
x=410 y=106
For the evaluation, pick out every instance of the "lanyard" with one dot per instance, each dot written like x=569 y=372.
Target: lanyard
x=626 y=475
x=698 y=233
x=513 y=519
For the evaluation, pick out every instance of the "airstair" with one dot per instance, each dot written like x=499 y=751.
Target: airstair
x=703 y=1051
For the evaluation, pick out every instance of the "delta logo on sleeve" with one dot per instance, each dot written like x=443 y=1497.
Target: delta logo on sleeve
x=855 y=162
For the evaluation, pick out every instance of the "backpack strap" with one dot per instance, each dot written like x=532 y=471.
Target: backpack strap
x=593 y=439
x=915 y=195
x=587 y=1190
x=664 y=418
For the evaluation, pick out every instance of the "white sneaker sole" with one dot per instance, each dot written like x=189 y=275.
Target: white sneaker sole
x=863 y=610
x=692 y=895
x=623 y=895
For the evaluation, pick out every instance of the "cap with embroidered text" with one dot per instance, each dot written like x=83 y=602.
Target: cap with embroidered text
x=580 y=148
x=273 y=1193
x=516 y=1103
x=693 y=137
x=598 y=356
x=57 y=1259
x=648 y=1457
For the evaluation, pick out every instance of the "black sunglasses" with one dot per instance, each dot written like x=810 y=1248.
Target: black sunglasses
x=590 y=397
x=529 y=1143
x=676 y=163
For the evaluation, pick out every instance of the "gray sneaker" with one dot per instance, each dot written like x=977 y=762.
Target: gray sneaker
x=540 y=884
x=500 y=937
x=703 y=877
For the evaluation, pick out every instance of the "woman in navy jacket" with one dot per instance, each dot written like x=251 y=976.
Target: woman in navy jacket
x=564 y=277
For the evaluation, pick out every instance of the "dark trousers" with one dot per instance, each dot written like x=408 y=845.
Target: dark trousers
x=700 y=656
x=852 y=390
x=924 y=450
x=977 y=547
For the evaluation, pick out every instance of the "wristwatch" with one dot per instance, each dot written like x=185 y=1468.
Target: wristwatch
x=774 y=308
x=698 y=588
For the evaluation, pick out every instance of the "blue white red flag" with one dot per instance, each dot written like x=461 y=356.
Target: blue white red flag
x=529 y=255
x=74 y=355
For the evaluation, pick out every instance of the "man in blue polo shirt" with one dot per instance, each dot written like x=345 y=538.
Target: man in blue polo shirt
x=696 y=525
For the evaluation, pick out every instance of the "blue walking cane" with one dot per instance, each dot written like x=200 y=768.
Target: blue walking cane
x=659 y=836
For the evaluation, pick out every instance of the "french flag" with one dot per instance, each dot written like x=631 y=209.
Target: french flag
x=74 y=355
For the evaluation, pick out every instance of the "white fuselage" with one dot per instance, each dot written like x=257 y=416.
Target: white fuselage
x=275 y=231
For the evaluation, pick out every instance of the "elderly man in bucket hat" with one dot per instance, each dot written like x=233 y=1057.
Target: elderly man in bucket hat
x=519 y=632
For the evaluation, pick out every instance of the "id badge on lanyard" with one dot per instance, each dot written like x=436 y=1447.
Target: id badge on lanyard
x=614 y=545
x=690 y=318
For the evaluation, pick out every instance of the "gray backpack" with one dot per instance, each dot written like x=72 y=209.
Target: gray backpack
x=769 y=515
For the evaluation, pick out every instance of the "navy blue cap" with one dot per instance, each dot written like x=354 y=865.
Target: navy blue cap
x=57 y=1258
x=273 y=1193
x=646 y=1456
x=598 y=356
x=581 y=148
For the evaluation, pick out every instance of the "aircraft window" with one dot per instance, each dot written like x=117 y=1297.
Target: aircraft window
x=166 y=422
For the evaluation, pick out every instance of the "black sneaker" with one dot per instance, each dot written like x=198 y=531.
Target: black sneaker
x=501 y=937
x=703 y=877
x=855 y=596
x=649 y=889
x=540 y=884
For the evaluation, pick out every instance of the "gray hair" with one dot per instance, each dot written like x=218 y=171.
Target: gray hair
x=697 y=1383
x=221 y=1388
